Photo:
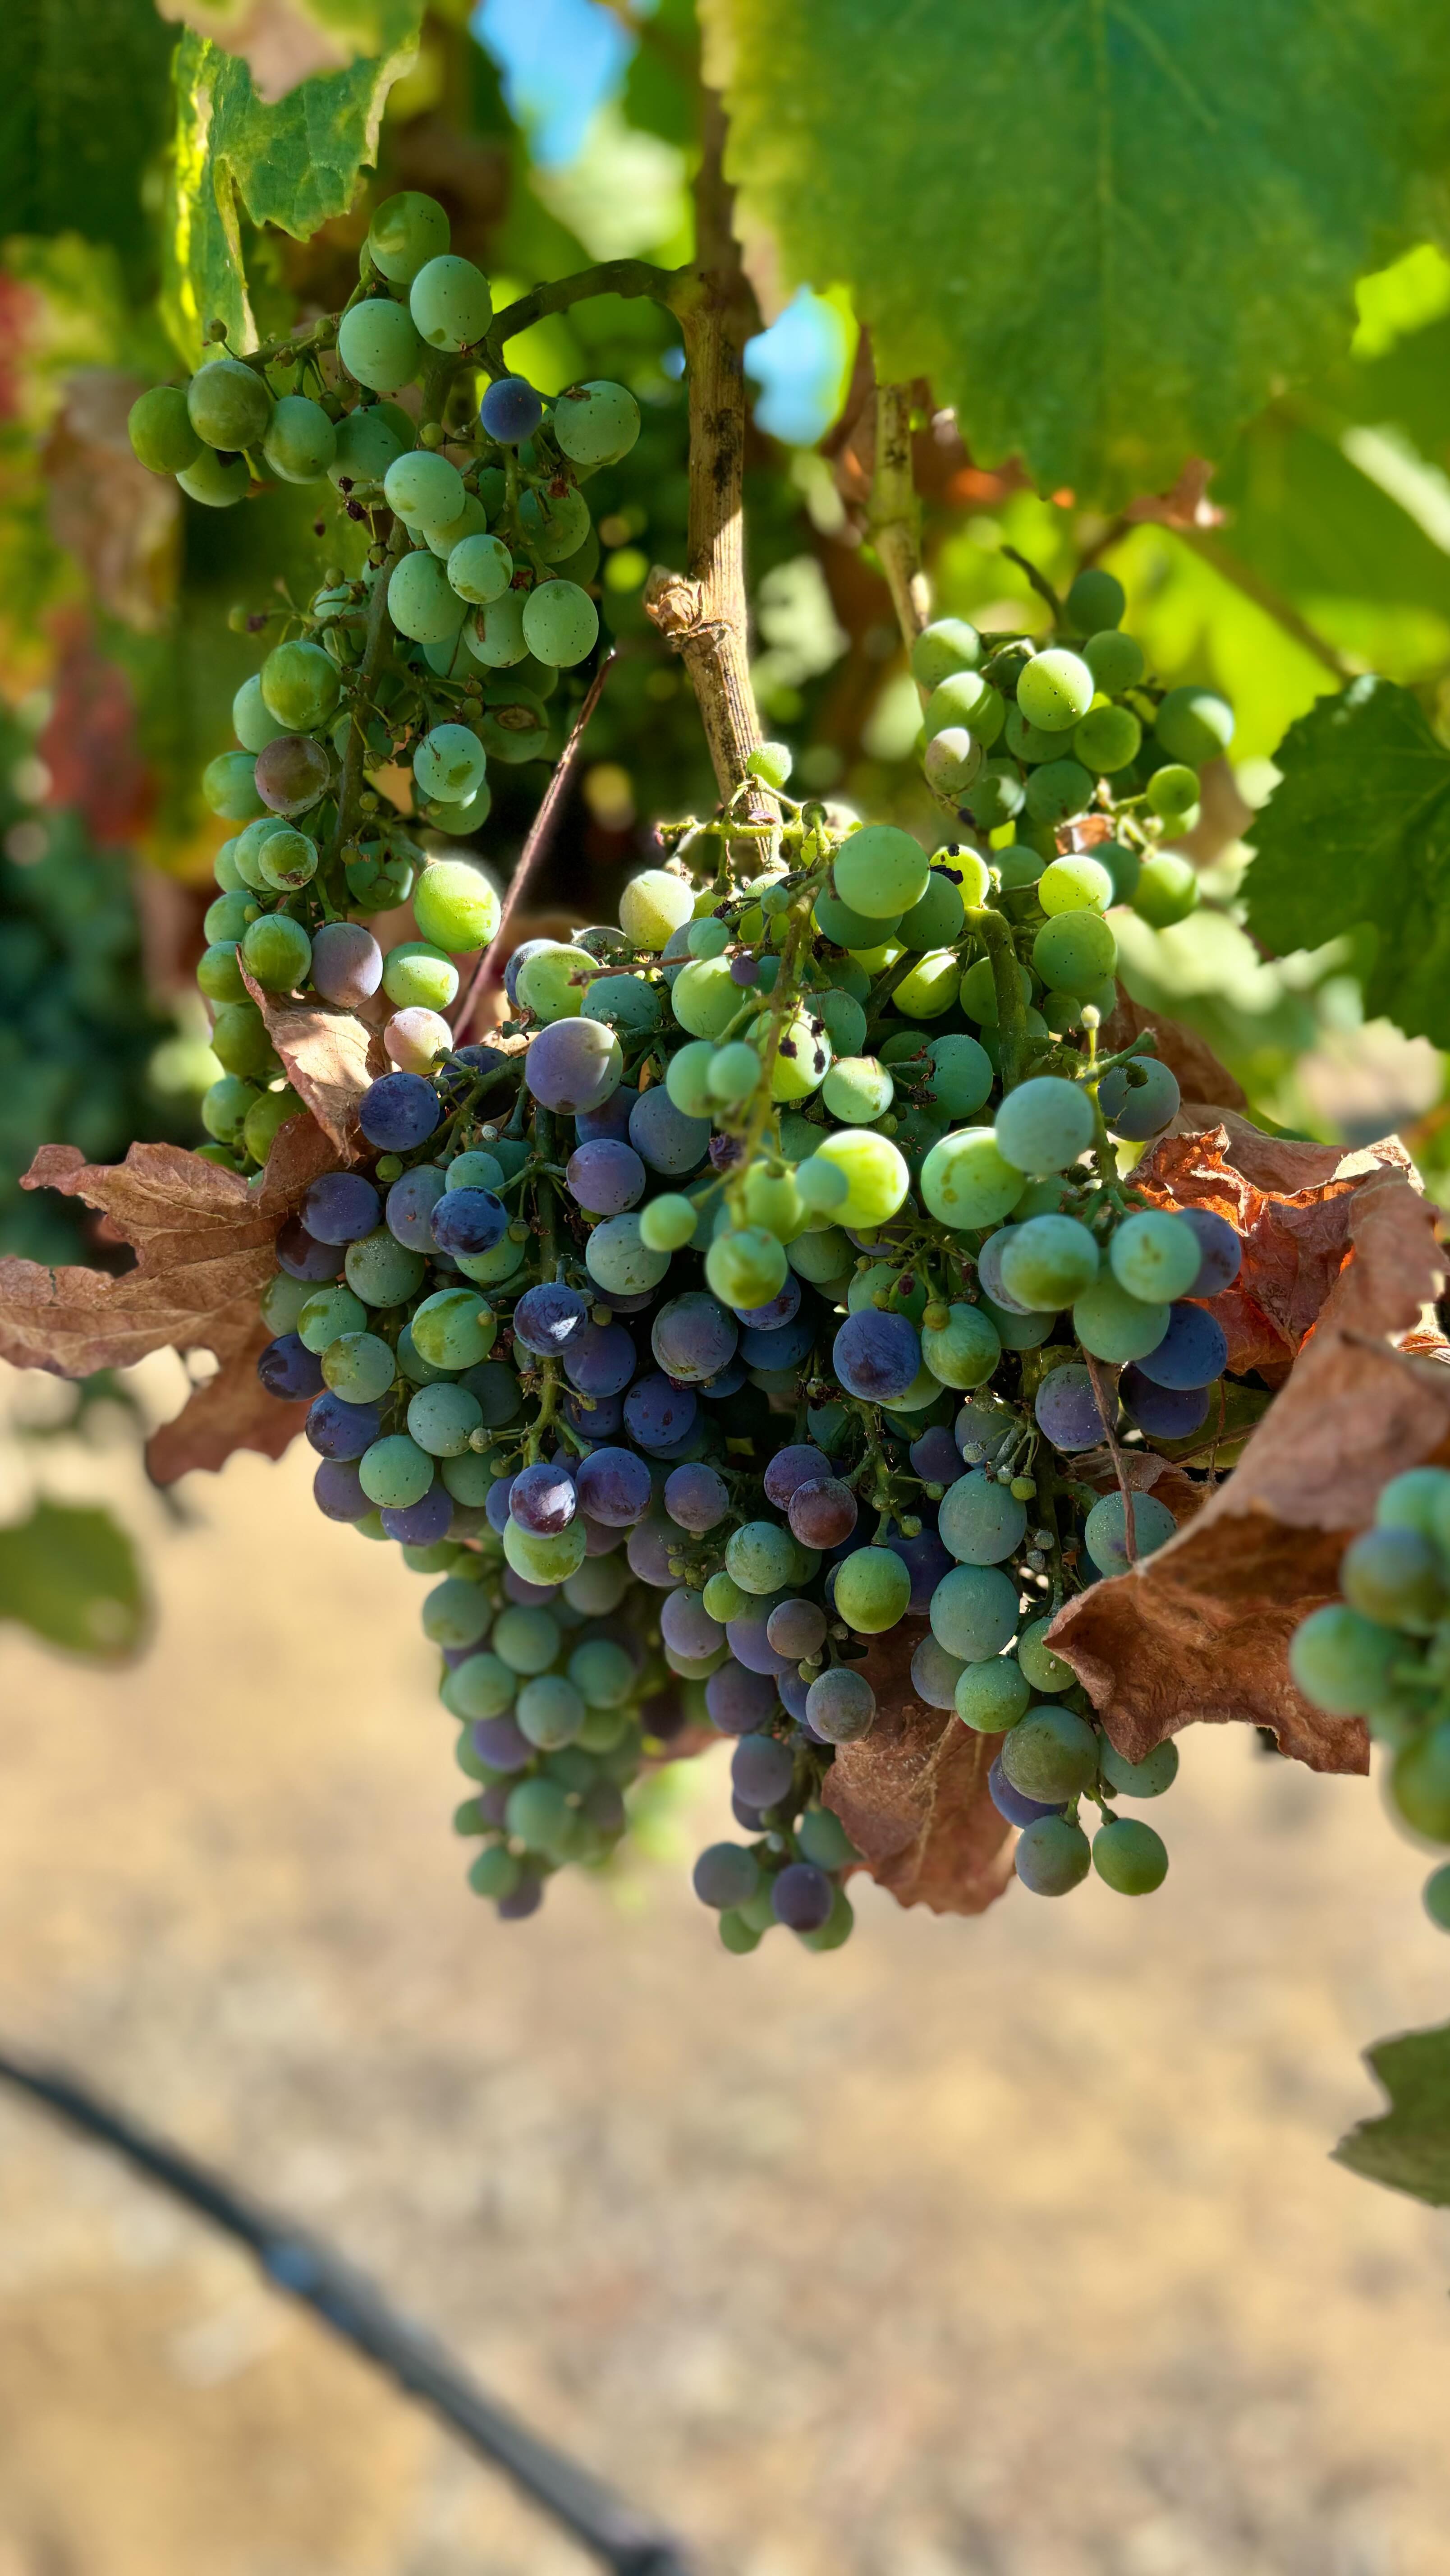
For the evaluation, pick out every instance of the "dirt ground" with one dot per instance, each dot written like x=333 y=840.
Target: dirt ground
x=976 y=2249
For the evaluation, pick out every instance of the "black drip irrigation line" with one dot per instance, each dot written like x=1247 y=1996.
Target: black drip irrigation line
x=293 y=2260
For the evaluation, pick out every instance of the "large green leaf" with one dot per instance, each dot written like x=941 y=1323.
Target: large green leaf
x=292 y=165
x=70 y=1574
x=1408 y=2146
x=83 y=107
x=1358 y=831
x=1105 y=232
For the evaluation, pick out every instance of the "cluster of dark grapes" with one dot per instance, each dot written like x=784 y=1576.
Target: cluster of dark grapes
x=1382 y=1653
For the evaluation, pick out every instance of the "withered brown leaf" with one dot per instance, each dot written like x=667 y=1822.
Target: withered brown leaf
x=330 y=1057
x=913 y=1793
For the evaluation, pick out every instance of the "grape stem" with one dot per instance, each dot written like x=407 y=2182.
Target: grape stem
x=375 y=654
x=894 y=516
x=1039 y=581
x=995 y=933
x=611 y=277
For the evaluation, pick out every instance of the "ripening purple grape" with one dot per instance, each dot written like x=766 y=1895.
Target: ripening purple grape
x=1067 y=1409
x=876 y=1356
x=782 y=1308
x=751 y=1647
x=797 y=1465
x=841 y=1704
x=337 y=1491
x=1222 y=1247
x=599 y=1538
x=605 y=1177
x=762 y=1769
x=926 y=1561
x=496 y=1504
x=802 y=1896
x=340 y=1207
x=288 y=1369
x=934 y=1457
x=511 y=410
x=523 y=1899
x=542 y=1498
x=600 y=1360
x=653 y=1552
x=738 y=1701
x=572 y=1065
x=398 y=1112
x=611 y=1119
x=793 y=1696
x=729 y=1382
x=1193 y=1351
x=686 y=1625
x=624 y=1304
x=1010 y=1802
x=1164 y=1412
x=796 y=1628
x=528 y=1596
x=614 y=1487
x=1142 y=1109
x=989 y=1272
x=423 y=1523
x=596 y=1417
x=785 y=1348
x=347 y=963
x=696 y=1497
x=725 y=1875
x=501 y=1744
x=338 y=1430
x=409 y=1207
x=548 y=1318
x=469 y=1221
x=694 y=1337
x=664 y=1137
x=665 y=1717
x=303 y=1257
x=493 y=1801
x=822 y=1512
x=744 y=970
x=657 y=1414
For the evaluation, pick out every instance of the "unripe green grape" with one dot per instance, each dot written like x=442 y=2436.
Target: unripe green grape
x=772 y=1200
x=443 y=536
x=1155 y=1255
x=1107 y=739
x=1055 y=689
x=286 y=860
x=277 y=952
x=252 y=720
x=624 y=1004
x=459 y=820
x=844 y=926
x=1057 y=791
x=553 y=524
x=544 y=1560
x=228 y=404
x=227 y=918
x=1342 y=1661
x=707 y=938
x=378 y=345
x=455 y=907
x=480 y=569
x=873 y=1588
x=1045 y=1670
x=326 y=1314
x=395 y=1472
x=978 y=991
x=617 y=1256
x=960 y=1077
x=1050 y=1261
x=514 y=725
x=218 y=975
x=418 y=977
x=996 y=797
x=216 y=481
x=301 y=442
x=1018 y=866
x=239 y=1039
x=225 y=1105
x=876 y=1176
x=932 y=986
x=822 y=1187
x=1053 y=1856
x=704 y=999
x=406 y=231
x=421 y=486
x=964 y=1351
x=282 y=1301
x=1436 y=1897
x=1051 y=1753
x=368 y=439
x=1044 y=1124
x=263 y=1119
x=1114 y=1326
x=248 y=847
x=300 y=685
x=881 y=872
x=939 y=916
x=1418 y=1499
x=772 y=761
x=1420 y=1783
x=858 y=1089
x=803 y=1056
x=226 y=873
x=161 y=432
x=1105 y=1532
x=450 y=302
x=652 y=906
x=1074 y=952
x=1096 y=599
x=824 y=1256
x=421 y=602
x=760 y=1557
x=547 y=985
x=1394 y=1576
x=1028 y=741
x=667 y=1223
x=966 y=1181
x=1172 y=794
x=974 y=1612
x=948 y=645
x=1146 y=1779
x=359 y=1366
x=733 y=1073
x=229 y=785
x=550 y=1711
x=1130 y=1857
x=991 y=1697
x=1115 y=661
x=449 y=764
x=745 y=1266
x=1166 y=890
x=454 y=1329
x=965 y=702
x=495 y=636
x=596 y=423
x=561 y=623
x=1194 y=725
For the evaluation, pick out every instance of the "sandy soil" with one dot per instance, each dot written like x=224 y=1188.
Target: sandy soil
x=1006 y=2248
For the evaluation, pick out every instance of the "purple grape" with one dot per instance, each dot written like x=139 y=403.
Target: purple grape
x=934 y=1457
x=423 y=1523
x=501 y=1744
x=469 y=1221
x=822 y=1512
x=745 y=970
x=621 y=1304
x=796 y=1628
x=542 y=1498
x=657 y=1414
x=495 y=1390
x=287 y=1368
x=410 y=1205
x=664 y=1137
x=523 y=1900
x=466 y=1062
x=529 y=1596
x=761 y=1769
x=1223 y=1250
x=611 y=1119
x=496 y=1504
x=696 y=1497
x=599 y=1538
x=613 y=1487
x=729 y=1382
x=782 y=1308
x=686 y=1625
x=511 y=410
x=605 y=1177
x=784 y=1348
x=665 y=1717
x=338 y=1430
x=1164 y=1412
x=738 y=1700
x=337 y=1491
x=802 y=1896
x=303 y=1257
x=1193 y=1351
x=793 y=1696
x=727 y=1874
x=339 y=1207
x=876 y=1356
x=398 y=1112
x=797 y=1465
x=601 y=1360
x=926 y=1561
x=989 y=1272
x=347 y=963
x=841 y=1705
x=595 y=1417
x=548 y=1318
x=572 y=1065
x=653 y=1550
x=1141 y=1109
x=1009 y=1802
x=1067 y=1409
x=751 y=1647
x=694 y=1338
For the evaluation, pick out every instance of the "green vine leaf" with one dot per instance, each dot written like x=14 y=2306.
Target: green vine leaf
x=290 y=40
x=1104 y=234
x=1357 y=833
x=294 y=165
x=70 y=1574
x=1407 y=2147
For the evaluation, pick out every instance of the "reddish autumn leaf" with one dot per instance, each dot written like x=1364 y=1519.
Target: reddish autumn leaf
x=231 y=1411
x=913 y=1794
x=121 y=524
x=88 y=742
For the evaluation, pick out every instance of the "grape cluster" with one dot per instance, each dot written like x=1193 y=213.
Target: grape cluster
x=755 y=1297
x=1382 y=1652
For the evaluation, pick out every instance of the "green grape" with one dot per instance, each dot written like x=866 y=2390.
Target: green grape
x=561 y=623
x=1115 y=661
x=266 y=1116
x=772 y=761
x=948 y=645
x=980 y=1524
x=1053 y=1856
x=1194 y=725
x=622 y=1003
x=488 y=1269
x=602 y=1673
x=1437 y=1897
x=449 y=764
x=1095 y=599
x=1028 y=741
x=932 y=986
x=421 y=601
x=1018 y=1332
x=1050 y=1261
x=252 y=721
x=1419 y=1499
x=417 y=977
x=725 y=1599
x=455 y=907
x=1123 y=866
x=480 y=569
x=1055 y=689
x=966 y=1181
x=978 y=994
x=1108 y=738
x=469 y=1474
x=495 y=635
x=547 y=983
x=858 y=1090
x=225 y=1105
x=1130 y=1856
x=450 y=302
x=216 y=481
x=1155 y=1255
x=301 y=442
x=745 y=1266
x=873 y=1588
x=847 y=928
x=453 y=1329
x=974 y=1612
x=1018 y=866
x=952 y=760
x=965 y=1350
x=883 y=1278
x=1146 y=1779
x=736 y=1935
x=162 y=437
x=368 y=439
x=300 y=686
x=528 y=1641
x=378 y=345
x=991 y=1697
x=227 y=918
x=1077 y=883
x=1051 y=1753
x=687 y=1078
x=733 y=1073
x=1165 y=890
x=1074 y=952
x=1045 y=1671
x=704 y=999
x=1058 y=790
x=459 y=820
x=287 y=860
x=443 y=537
x=821 y=1188
x=1343 y=1661
x=965 y=701
x=239 y=1039
x=423 y=487
x=617 y=1256
x=514 y=725
x=218 y=974
x=821 y=1837
x=1045 y=1124
x=707 y=938
x=553 y=525
x=229 y=786
x=1394 y=1576
x=1173 y=794
x=1105 y=1532
x=596 y=423
x=282 y=1301
x=960 y=1077
x=395 y=1472
x=876 y=1177
x=997 y=796
x=326 y=1314
x=544 y=1560
x=224 y=869
x=359 y=1367
x=277 y=952
x=652 y=907
x=406 y=231
x=760 y=1557
x=965 y=869
x=550 y=1711
x=1420 y=1783
x=1114 y=1326
x=881 y=872
x=821 y=1257
x=228 y=404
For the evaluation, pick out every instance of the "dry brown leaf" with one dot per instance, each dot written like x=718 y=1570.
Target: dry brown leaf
x=330 y=1058
x=121 y=524
x=913 y=1794
x=231 y=1411
x=1146 y=1473
x=1190 y=1058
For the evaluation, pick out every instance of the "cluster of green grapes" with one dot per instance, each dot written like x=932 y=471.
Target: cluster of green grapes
x=1382 y=1653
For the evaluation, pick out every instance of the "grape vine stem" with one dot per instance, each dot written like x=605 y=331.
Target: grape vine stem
x=894 y=517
